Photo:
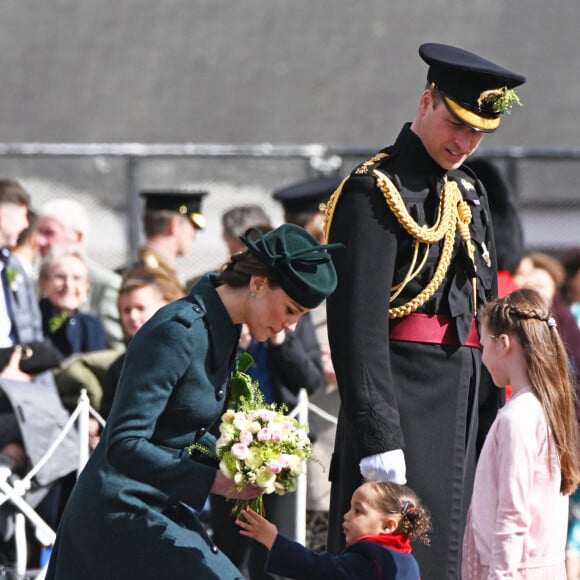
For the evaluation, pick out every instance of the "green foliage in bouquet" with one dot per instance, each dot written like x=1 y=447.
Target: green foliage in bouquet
x=244 y=393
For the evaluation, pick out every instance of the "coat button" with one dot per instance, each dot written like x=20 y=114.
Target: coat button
x=214 y=549
x=197 y=308
x=202 y=431
x=219 y=395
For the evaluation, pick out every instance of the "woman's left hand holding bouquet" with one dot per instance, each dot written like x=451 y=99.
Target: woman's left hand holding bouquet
x=222 y=485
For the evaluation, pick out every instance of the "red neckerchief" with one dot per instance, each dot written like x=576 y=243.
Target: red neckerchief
x=397 y=541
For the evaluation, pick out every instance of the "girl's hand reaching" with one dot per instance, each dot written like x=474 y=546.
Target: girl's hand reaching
x=258 y=528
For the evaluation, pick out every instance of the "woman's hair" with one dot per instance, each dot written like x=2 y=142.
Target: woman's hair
x=525 y=315
x=139 y=278
x=392 y=498
x=55 y=254
x=241 y=267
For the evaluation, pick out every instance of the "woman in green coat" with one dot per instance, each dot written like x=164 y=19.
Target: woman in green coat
x=132 y=513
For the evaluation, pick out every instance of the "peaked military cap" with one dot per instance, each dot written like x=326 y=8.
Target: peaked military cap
x=303 y=267
x=475 y=91
x=307 y=196
x=186 y=202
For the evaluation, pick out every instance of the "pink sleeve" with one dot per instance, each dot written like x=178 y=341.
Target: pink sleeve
x=517 y=456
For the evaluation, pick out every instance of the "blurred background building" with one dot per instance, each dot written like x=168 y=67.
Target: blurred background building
x=102 y=99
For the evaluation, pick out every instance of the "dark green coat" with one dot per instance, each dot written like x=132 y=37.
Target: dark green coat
x=128 y=516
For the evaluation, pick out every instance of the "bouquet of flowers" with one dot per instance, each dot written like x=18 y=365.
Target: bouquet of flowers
x=258 y=443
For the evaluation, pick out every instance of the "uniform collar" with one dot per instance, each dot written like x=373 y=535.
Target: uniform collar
x=414 y=156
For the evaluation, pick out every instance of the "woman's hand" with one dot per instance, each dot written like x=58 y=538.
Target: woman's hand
x=226 y=487
x=258 y=528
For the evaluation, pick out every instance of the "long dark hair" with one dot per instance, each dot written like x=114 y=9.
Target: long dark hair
x=525 y=315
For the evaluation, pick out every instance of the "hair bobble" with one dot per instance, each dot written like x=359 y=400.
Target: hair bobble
x=552 y=322
x=408 y=508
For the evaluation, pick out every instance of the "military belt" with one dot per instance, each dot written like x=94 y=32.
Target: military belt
x=431 y=328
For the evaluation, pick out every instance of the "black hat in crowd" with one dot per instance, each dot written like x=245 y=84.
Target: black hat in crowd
x=307 y=196
x=475 y=90
x=186 y=202
x=302 y=265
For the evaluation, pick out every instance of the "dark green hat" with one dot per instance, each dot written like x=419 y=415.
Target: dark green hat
x=303 y=266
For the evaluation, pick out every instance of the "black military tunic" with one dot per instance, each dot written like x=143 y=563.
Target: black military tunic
x=407 y=394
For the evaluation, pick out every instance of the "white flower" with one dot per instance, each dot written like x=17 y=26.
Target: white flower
x=224 y=469
x=265 y=479
x=295 y=464
x=254 y=459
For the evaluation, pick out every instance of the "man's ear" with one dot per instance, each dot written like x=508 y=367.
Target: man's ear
x=174 y=224
x=426 y=101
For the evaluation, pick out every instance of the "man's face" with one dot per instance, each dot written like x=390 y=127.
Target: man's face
x=51 y=233
x=448 y=141
x=13 y=221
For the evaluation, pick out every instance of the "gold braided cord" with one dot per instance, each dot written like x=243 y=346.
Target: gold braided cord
x=453 y=212
x=446 y=213
x=330 y=207
x=398 y=288
x=362 y=169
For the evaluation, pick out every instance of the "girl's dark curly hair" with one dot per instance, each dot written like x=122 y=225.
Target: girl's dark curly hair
x=392 y=498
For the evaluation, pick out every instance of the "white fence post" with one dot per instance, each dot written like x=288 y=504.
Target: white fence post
x=84 y=413
x=301 y=484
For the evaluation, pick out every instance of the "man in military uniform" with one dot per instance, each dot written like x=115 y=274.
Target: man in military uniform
x=170 y=222
x=418 y=263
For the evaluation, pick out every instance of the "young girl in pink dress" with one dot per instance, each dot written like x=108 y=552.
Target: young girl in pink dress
x=516 y=527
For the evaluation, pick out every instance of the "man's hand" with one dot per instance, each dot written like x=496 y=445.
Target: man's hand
x=387 y=466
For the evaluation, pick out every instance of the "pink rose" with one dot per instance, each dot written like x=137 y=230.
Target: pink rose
x=240 y=451
x=274 y=466
x=264 y=434
x=246 y=437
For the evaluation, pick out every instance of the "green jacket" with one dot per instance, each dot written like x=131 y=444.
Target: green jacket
x=129 y=516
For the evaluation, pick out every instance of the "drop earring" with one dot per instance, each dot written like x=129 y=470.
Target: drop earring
x=252 y=295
